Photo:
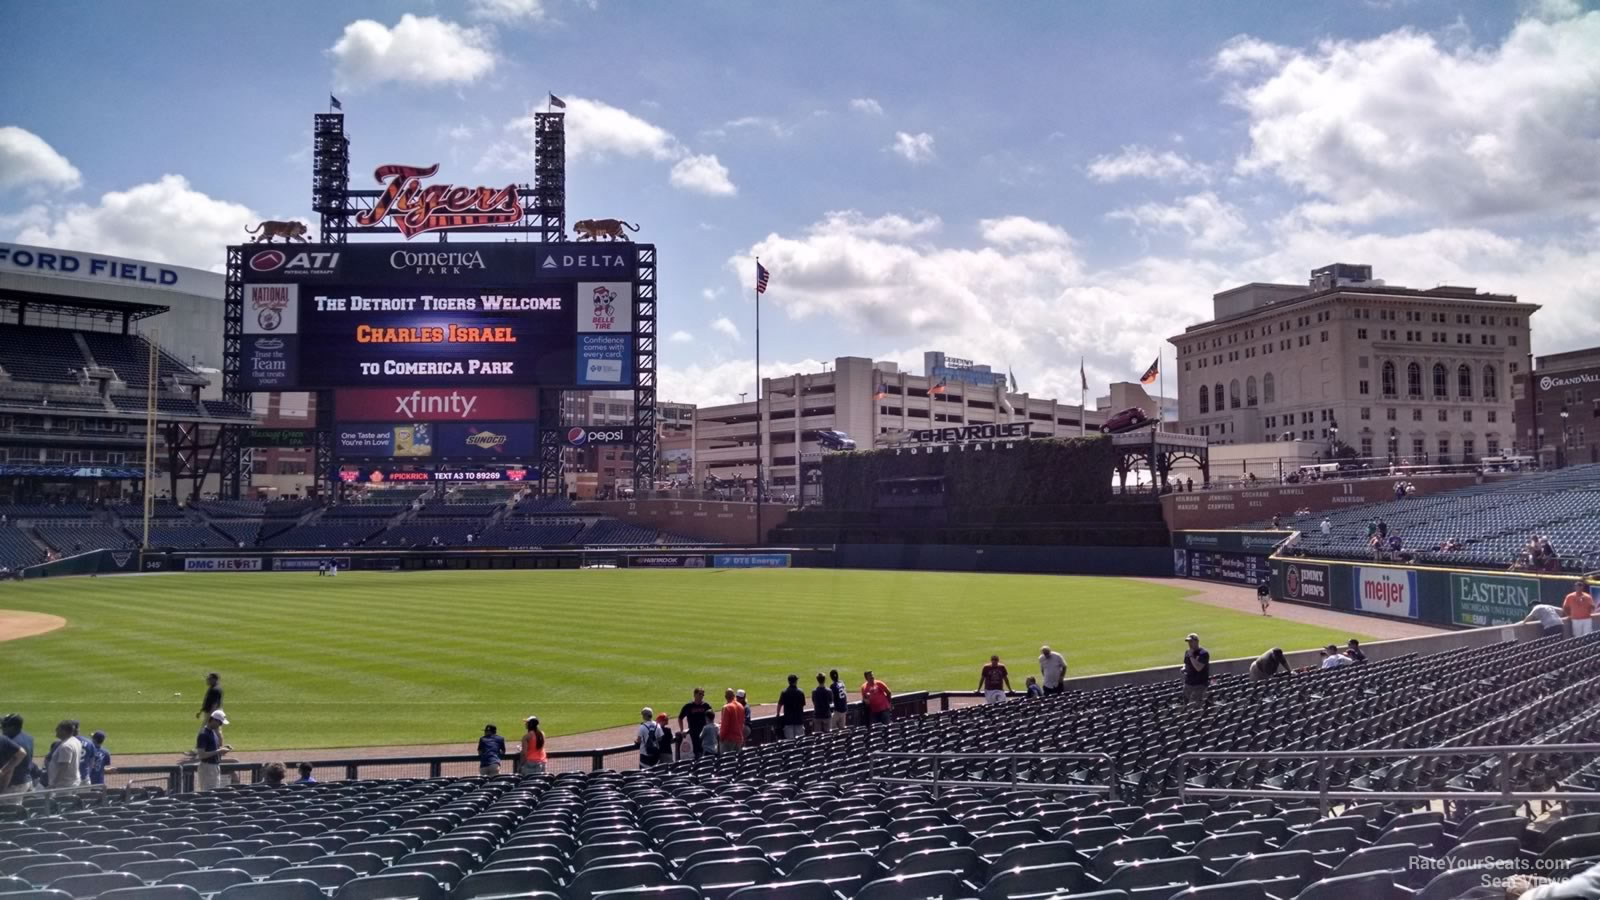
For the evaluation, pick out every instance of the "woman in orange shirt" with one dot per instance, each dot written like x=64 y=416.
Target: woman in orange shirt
x=533 y=755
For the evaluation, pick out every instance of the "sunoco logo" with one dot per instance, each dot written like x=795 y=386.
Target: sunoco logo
x=487 y=440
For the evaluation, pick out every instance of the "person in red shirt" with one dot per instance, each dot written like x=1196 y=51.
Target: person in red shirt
x=1579 y=605
x=730 y=733
x=876 y=697
x=994 y=681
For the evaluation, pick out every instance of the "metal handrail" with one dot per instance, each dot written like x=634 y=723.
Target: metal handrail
x=1323 y=794
x=1109 y=789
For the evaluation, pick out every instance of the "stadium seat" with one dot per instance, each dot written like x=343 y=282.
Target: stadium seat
x=208 y=881
x=42 y=874
x=1373 y=885
x=926 y=886
x=505 y=882
x=154 y=892
x=1050 y=878
x=401 y=886
x=273 y=889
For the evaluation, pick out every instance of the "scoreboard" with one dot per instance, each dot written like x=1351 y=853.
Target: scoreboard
x=462 y=315
x=1235 y=568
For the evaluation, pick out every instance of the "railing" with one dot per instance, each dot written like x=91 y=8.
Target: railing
x=1324 y=794
x=1015 y=783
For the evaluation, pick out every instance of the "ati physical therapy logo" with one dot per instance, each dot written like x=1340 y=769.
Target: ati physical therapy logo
x=487 y=440
x=305 y=262
x=605 y=311
x=437 y=207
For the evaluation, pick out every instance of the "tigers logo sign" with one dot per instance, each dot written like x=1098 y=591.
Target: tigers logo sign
x=437 y=207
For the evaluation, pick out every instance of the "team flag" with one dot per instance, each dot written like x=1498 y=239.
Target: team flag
x=1013 y=376
x=1149 y=376
x=761 y=278
x=937 y=389
x=334 y=102
x=1082 y=375
x=557 y=102
x=883 y=391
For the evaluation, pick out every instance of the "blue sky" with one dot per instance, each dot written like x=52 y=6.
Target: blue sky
x=1019 y=183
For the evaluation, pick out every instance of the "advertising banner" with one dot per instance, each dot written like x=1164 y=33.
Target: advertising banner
x=500 y=404
x=415 y=440
x=1234 y=568
x=270 y=362
x=294 y=438
x=1180 y=563
x=668 y=561
x=390 y=476
x=604 y=359
x=1491 y=599
x=599 y=436
x=750 y=561
x=445 y=440
x=1306 y=583
x=394 y=264
x=308 y=563
x=1387 y=592
x=222 y=564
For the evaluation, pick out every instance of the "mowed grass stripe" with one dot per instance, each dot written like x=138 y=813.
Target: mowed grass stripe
x=428 y=657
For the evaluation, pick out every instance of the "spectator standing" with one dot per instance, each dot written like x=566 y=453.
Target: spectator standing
x=706 y=741
x=1352 y=649
x=1326 y=526
x=208 y=751
x=213 y=698
x=877 y=698
x=792 y=709
x=822 y=704
x=1196 y=671
x=1264 y=596
x=1277 y=521
x=1383 y=527
x=665 y=742
x=1333 y=659
x=1053 y=670
x=13 y=758
x=305 y=774
x=99 y=757
x=994 y=681
x=841 y=700
x=491 y=749
x=18 y=779
x=744 y=702
x=84 y=756
x=534 y=758
x=696 y=711
x=1579 y=607
x=1269 y=664
x=648 y=739
x=61 y=769
x=731 y=735
x=1549 y=618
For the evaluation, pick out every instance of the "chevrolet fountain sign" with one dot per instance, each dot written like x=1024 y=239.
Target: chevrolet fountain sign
x=966 y=437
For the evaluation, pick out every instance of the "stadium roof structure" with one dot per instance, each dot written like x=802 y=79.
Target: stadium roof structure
x=58 y=302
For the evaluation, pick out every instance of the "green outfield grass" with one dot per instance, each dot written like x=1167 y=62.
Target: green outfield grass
x=381 y=658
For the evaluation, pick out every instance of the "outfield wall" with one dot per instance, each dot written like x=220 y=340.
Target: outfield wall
x=1429 y=594
x=1054 y=560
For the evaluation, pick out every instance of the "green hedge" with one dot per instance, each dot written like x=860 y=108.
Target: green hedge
x=1031 y=473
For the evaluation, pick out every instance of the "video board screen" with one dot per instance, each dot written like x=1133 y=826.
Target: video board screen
x=463 y=315
x=438 y=440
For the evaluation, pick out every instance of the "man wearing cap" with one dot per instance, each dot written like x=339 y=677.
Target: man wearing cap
x=648 y=738
x=17 y=779
x=61 y=769
x=491 y=749
x=1053 y=670
x=99 y=757
x=1196 y=671
x=744 y=702
x=208 y=752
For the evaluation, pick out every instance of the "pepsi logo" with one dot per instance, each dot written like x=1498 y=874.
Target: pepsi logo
x=267 y=261
x=577 y=437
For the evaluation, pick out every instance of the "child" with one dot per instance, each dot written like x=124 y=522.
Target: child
x=1264 y=596
x=1034 y=690
x=708 y=736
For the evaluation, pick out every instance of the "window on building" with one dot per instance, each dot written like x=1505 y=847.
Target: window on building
x=1205 y=399
x=1250 y=391
x=1413 y=380
x=1491 y=384
x=1416 y=415
x=1268 y=395
x=1390 y=414
x=1491 y=446
x=1366 y=413
x=1444 y=415
x=1389 y=389
x=1511 y=340
x=1366 y=446
x=1233 y=394
x=1493 y=416
x=1441 y=381
x=1464 y=383
x=1364 y=387
x=1361 y=334
x=1217 y=395
x=1444 y=449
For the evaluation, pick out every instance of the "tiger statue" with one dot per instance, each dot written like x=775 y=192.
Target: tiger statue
x=271 y=228
x=594 y=229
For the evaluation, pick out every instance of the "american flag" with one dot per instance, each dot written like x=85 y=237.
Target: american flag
x=761 y=278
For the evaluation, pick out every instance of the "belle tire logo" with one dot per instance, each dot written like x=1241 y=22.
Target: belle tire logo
x=267 y=261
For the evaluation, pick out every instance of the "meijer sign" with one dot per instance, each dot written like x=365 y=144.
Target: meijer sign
x=1387 y=592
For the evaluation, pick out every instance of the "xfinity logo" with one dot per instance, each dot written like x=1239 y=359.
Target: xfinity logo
x=1548 y=382
x=424 y=262
x=417 y=403
x=306 y=262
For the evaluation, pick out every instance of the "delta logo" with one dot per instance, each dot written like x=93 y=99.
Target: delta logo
x=305 y=262
x=487 y=440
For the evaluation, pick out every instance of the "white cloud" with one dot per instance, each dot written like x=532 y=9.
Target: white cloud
x=532 y=11
x=866 y=106
x=1404 y=124
x=914 y=148
x=891 y=226
x=26 y=159
x=714 y=383
x=746 y=123
x=711 y=294
x=1142 y=162
x=460 y=133
x=423 y=50
x=681 y=337
x=724 y=326
x=1019 y=231
x=598 y=129
x=702 y=174
x=165 y=220
x=1210 y=222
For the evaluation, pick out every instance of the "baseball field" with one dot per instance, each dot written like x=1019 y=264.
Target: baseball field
x=370 y=659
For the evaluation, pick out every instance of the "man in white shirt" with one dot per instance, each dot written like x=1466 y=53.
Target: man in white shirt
x=1053 y=670
x=1327 y=526
x=1549 y=618
x=61 y=769
x=1333 y=659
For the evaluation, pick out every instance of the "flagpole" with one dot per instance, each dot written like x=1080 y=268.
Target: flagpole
x=1083 y=400
x=760 y=467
